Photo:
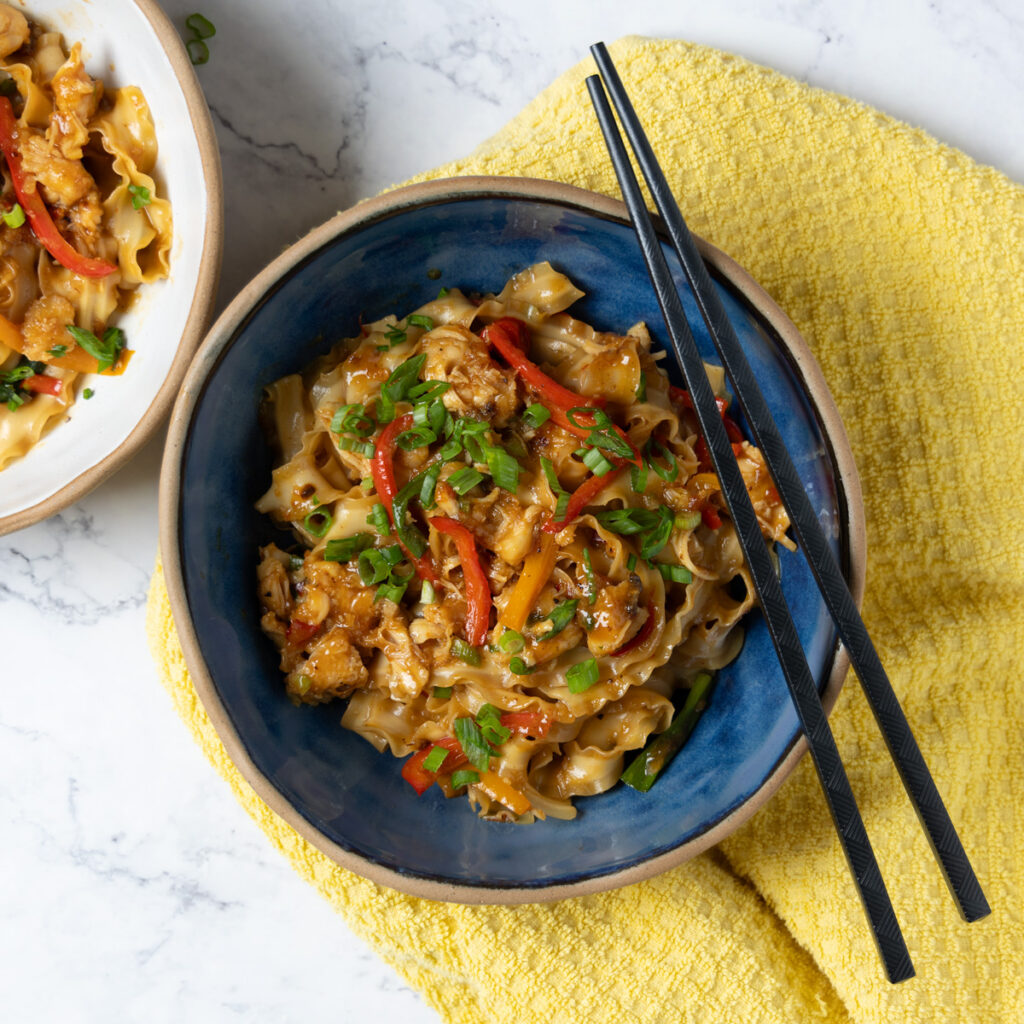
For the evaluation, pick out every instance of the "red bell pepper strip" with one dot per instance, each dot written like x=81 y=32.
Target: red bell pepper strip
x=528 y=723
x=507 y=335
x=682 y=396
x=641 y=634
x=478 y=590
x=35 y=209
x=382 y=467
x=582 y=497
x=299 y=633
x=712 y=520
x=43 y=385
x=419 y=778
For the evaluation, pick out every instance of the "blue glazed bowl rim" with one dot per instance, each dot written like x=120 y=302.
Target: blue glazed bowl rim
x=231 y=324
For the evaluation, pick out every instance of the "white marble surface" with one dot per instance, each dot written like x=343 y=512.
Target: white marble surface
x=132 y=887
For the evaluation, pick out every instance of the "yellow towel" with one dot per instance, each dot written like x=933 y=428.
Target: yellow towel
x=901 y=262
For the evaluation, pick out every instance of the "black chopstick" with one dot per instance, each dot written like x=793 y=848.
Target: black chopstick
x=802 y=688
x=903 y=749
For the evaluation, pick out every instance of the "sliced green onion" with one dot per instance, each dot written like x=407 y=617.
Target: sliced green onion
x=378 y=519
x=627 y=521
x=396 y=388
x=141 y=197
x=601 y=419
x=429 y=485
x=419 y=320
x=674 y=573
x=473 y=744
x=318 y=522
x=428 y=596
x=88 y=393
x=391 y=591
x=519 y=667
x=588 y=571
x=372 y=567
x=303 y=683
x=366 y=485
x=392 y=554
x=442 y=692
x=638 y=478
x=511 y=641
x=344 y=549
x=464 y=480
x=667 y=473
x=631 y=563
x=58 y=351
x=415 y=437
x=582 y=675
x=465 y=652
x=408 y=534
x=295 y=562
x=198 y=51
x=596 y=462
x=433 y=761
x=641 y=388
x=395 y=336
x=443 y=292
x=15 y=216
x=103 y=351
x=503 y=468
x=687 y=521
x=654 y=540
x=610 y=442
x=352 y=444
x=201 y=27
x=352 y=419
x=464 y=777
x=561 y=615
x=489 y=720
x=428 y=390
x=536 y=415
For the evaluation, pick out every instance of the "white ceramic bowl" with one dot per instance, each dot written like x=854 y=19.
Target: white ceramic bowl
x=132 y=42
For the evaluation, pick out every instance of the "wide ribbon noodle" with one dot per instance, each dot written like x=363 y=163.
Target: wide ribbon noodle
x=80 y=160
x=512 y=552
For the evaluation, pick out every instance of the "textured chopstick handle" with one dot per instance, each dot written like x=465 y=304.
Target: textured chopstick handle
x=804 y=693
x=917 y=780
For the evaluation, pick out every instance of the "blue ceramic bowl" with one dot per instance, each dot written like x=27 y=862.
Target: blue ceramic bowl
x=330 y=784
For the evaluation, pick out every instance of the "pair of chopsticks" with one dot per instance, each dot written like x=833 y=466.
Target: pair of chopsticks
x=903 y=748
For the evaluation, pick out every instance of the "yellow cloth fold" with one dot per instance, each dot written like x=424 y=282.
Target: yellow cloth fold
x=900 y=260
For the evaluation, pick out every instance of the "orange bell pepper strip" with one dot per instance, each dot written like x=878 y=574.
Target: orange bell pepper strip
x=537 y=569
x=35 y=209
x=498 y=789
x=478 y=590
x=509 y=337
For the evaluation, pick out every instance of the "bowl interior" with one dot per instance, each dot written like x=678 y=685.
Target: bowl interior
x=333 y=778
x=121 y=46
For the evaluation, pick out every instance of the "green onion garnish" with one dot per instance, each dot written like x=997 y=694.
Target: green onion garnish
x=442 y=293
x=595 y=461
x=674 y=573
x=140 y=196
x=428 y=391
x=395 y=336
x=391 y=591
x=582 y=675
x=419 y=320
x=103 y=351
x=58 y=350
x=511 y=641
x=520 y=667
x=396 y=388
x=464 y=777
x=430 y=476
x=489 y=720
x=464 y=480
x=631 y=563
x=601 y=419
x=428 y=596
x=202 y=28
x=638 y=478
x=415 y=437
x=503 y=468
x=465 y=652
x=442 y=692
x=198 y=51
x=373 y=567
x=536 y=415
x=408 y=534
x=641 y=388
x=318 y=522
x=561 y=615
x=667 y=473
x=654 y=527
x=473 y=744
x=588 y=571
x=392 y=554
x=433 y=761
x=344 y=549
x=353 y=444
x=15 y=216
x=378 y=519
x=88 y=393
x=687 y=521
x=610 y=442
x=352 y=419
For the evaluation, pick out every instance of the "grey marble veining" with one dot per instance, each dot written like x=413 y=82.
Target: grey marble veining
x=132 y=887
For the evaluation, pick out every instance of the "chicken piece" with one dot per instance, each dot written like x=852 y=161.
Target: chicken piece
x=614 y=373
x=333 y=669
x=479 y=387
x=14 y=31
x=275 y=590
x=614 y=616
x=45 y=325
x=62 y=180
